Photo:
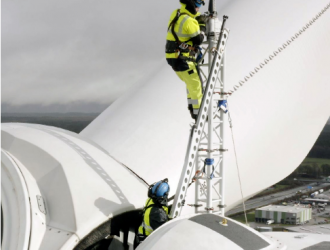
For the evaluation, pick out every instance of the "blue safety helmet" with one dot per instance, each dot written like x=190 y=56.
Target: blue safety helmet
x=191 y=5
x=199 y=3
x=159 y=191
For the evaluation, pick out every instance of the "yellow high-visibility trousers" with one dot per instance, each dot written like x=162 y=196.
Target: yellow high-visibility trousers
x=193 y=84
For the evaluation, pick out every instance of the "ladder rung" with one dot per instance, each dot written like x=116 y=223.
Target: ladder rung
x=216 y=200
x=205 y=155
x=213 y=200
x=204 y=178
x=215 y=143
x=206 y=144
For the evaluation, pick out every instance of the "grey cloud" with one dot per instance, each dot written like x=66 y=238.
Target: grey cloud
x=63 y=52
x=60 y=52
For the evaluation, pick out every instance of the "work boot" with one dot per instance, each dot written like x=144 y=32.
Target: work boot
x=191 y=111
x=194 y=117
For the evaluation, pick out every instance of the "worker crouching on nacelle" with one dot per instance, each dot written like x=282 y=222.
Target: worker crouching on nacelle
x=156 y=210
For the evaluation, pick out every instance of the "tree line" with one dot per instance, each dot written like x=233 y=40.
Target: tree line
x=312 y=171
x=321 y=148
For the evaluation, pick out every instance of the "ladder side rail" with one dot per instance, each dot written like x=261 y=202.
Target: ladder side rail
x=214 y=38
x=198 y=127
x=222 y=133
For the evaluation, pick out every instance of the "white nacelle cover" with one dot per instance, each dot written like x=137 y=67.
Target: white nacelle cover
x=300 y=241
x=81 y=185
x=206 y=231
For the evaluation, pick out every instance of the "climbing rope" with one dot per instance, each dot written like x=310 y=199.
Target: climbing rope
x=129 y=169
x=280 y=49
x=239 y=177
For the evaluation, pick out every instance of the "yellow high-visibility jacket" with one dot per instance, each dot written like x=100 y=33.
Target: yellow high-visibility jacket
x=187 y=29
x=154 y=216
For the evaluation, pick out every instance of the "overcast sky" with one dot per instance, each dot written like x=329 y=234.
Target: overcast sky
x=70 y=55
x=78 y=55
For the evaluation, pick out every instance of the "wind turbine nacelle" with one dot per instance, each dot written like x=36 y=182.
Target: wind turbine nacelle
x=207 y=231
x=57 y=188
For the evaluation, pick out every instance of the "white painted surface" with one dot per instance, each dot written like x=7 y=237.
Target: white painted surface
x=277 y=115
x=293 y=242
x=81 y=185
x=182 y=233
x=38 y=218
x=192 y=236
x=16 y=218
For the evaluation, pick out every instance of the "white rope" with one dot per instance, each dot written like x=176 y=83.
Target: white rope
x=239 y=178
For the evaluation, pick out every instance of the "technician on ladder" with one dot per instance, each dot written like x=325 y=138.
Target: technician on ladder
x=155 y=212
x=185 y=34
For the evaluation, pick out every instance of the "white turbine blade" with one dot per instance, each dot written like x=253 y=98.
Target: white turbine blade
x=277 y=113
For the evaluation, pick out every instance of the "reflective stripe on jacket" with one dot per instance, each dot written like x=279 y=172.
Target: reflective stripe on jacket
x=155 y=215
x=185 y=28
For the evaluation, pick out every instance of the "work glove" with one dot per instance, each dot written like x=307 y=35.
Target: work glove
x=202 y=19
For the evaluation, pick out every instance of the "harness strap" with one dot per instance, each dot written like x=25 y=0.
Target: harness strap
x=172 y=24
x=172 y=47
x=144 y=210
x=181 y=45
x=192 y=59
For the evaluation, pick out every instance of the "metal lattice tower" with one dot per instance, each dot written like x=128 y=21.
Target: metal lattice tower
x=209 y=161
x=204 y=156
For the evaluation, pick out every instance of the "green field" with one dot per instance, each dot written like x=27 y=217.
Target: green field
x=279 y=187
x=318 y=161
x=241 y=217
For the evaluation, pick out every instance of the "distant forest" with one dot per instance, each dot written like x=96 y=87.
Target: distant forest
x=321 y=147
x=317 y=162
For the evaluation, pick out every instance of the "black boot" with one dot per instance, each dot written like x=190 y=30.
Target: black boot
x=191 y=110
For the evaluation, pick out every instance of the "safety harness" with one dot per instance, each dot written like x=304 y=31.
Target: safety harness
x=144 y=211
x=178 y=46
